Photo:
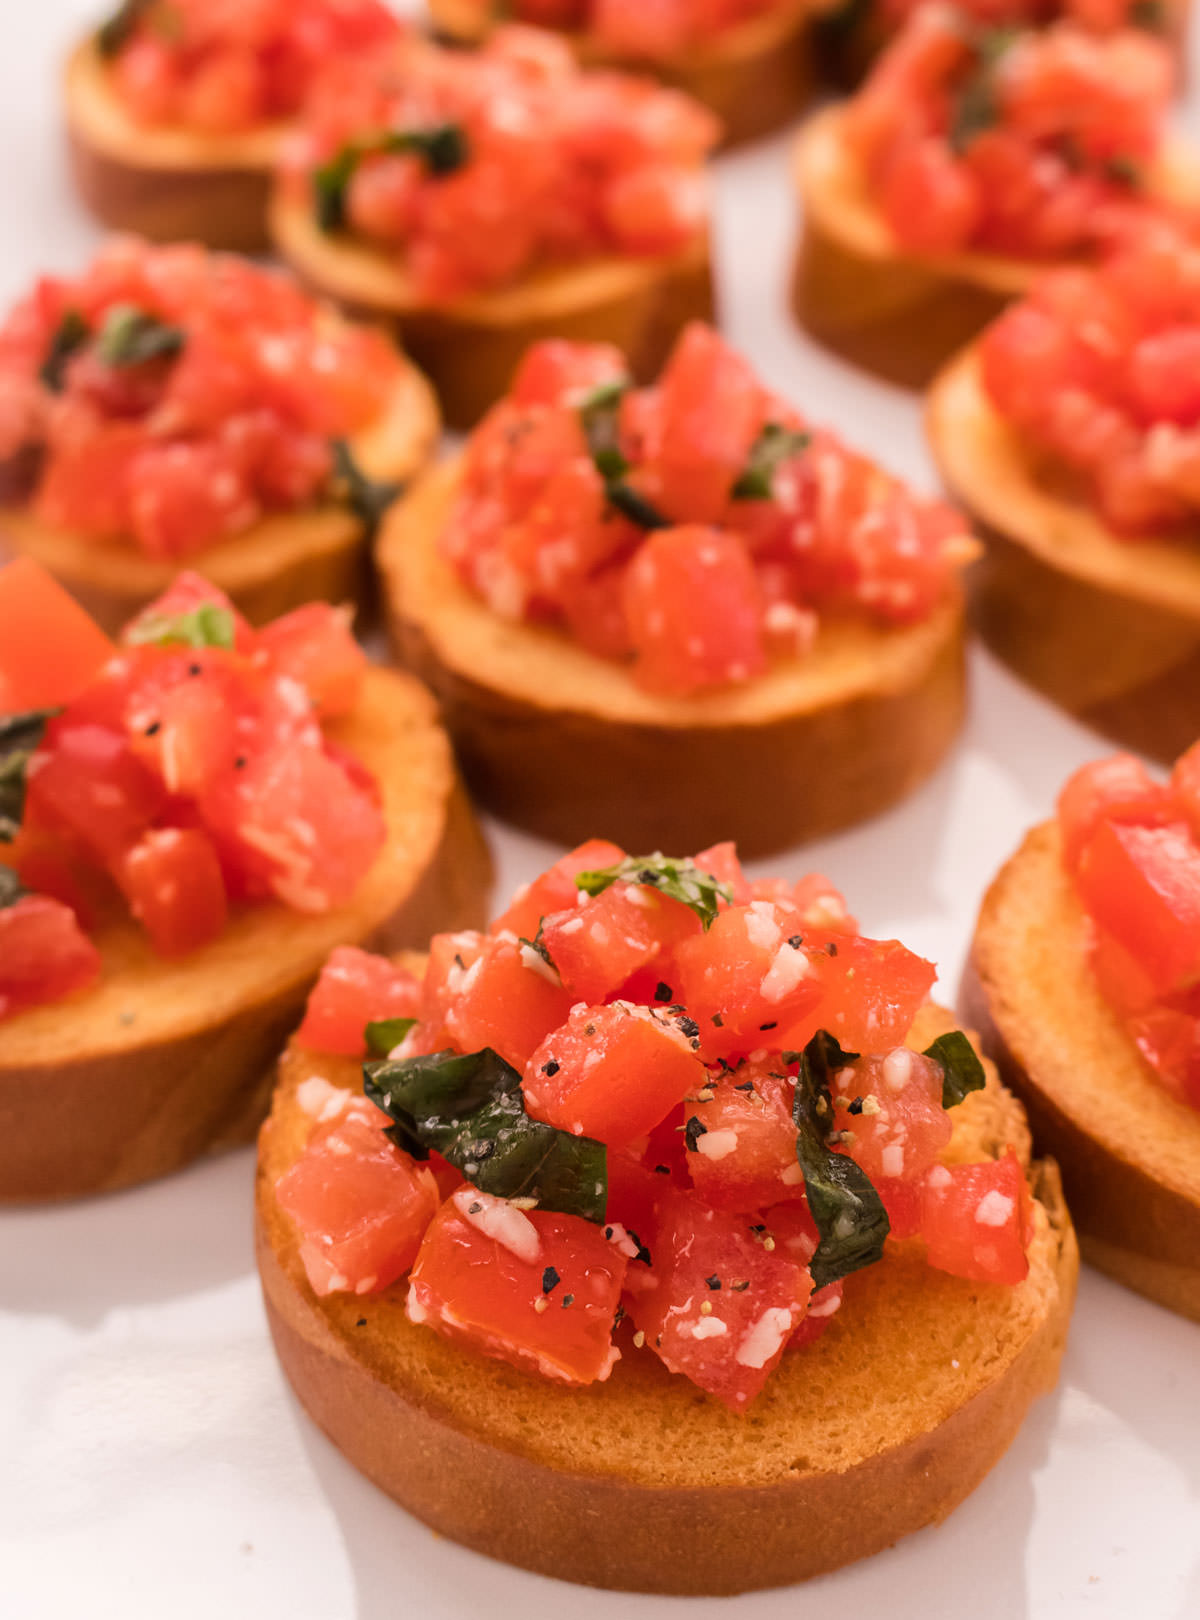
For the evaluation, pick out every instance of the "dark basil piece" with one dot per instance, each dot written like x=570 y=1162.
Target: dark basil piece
x=111 y=35
x=11 y=887
x=383 y=1035
x=20 y=735
x=626 y=500
x=849 y=1213
x=978 y=105
x=130 y=337
x=368 y=497
x=470 y=1109
x=73 y=332
x=774 y=445
x=208 y=625
x=962 y=1072
x=678 y=879
x=599 y=414
x=1149 y=14
x=443 y=148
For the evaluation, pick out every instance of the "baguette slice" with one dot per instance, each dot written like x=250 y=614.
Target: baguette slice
x=559 y=741
x=645 y=1484
x=756 y=77
x=1107 y=629
x=288 y=558
x=471 y=348
x=898 y=314
x=1130 y=1152
x=165 y=1060
x=170 y=184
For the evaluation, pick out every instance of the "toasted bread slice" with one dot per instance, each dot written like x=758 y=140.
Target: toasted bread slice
x=170 y=184
x=898 y=314
x=471 y=348
x=643 y=1483
x=755 y=76
x=1107 y=629
x=1129 y=1150
x=286 y=559
x=559 y=741
x=165 y=1060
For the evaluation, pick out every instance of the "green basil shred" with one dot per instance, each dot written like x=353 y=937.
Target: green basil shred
x=599 y=415
x=73 y=332
x=130 y=337
x=20 y=736
x=368 y=497
x=962 y=1072
x=470 y=1109
x=774 y=445
x=383 y=1035
x=208 y=625
x=11 y=888
x=678 y=879
x=443 y=149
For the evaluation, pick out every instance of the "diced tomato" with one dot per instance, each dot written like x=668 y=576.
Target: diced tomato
x=172 y=880
x=794 y=1233
x=539 y=1290
x=711 y=409
x=723 y=1306
x=1115 y=789
x=553 y=371
x=742 y=1146
x=599 y=945
x=361 y=1204
x=612 y=1073
x=355 y=988
x=974 y=1220
x=507 y=999
x=1169 y=1039
x=874 y=988
x=89 y=786
x=556 y=890
x=44 y=954
x=1142 y=884
x=1185 y=788
x=189 y=733
x=50 y=649
x=314 y=646
x=889 y=1111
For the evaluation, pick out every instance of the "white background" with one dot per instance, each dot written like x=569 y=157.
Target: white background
x=152 y=1462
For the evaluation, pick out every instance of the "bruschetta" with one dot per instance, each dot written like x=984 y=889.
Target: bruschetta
x=679 y=609
x=177 y=110
x=748 y=61
x=667 y=1283
x=973 y=158
x=171 y=404
x=1083 y=980
x=1067 y=433
x=543 y=201
x=189 y=823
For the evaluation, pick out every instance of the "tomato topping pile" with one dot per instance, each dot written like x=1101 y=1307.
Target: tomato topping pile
x=173 y=776
x=1034 y=144
x=1132 y=848
x=170 y=397
x=695 y=529
x=1096 y=16
x=631 y=28
x=474 y=168
x=222 y=67
x=1099 y=367
x=655 y=1094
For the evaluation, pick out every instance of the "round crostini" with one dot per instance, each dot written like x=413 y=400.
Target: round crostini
x=1129 y=1149
x=238 y=400
x=901 y=309
x=175 y=122
x=755 y=74
x=671 y=1449
x=590 y=237
x=852 y=708
x=164 y=1050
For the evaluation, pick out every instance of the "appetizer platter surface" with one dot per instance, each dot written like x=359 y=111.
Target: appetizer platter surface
x=156 y=1456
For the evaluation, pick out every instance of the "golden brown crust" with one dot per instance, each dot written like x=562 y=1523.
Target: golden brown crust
x=1129 y=1151
x=169 y=185
x=644 y=1483
x=471 y=348
x=756 y=77
x=284 y=560
x=898 y=314
x=164 y=1060
x=1107 y=629
x=560 y=742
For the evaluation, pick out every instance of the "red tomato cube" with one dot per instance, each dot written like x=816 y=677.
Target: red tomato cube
x=974 y=1220
x=555 y=889
x=1115 y=789
x=44 y=954
x=508 y=999
x=89 y=787
x=50 y=649
x=744 y=1158
x=1142 y=884
x=600 y=944
x=315 y=646
x=355 y=989
x=172 y=880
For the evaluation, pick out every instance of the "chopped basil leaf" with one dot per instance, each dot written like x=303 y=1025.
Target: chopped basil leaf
x=626 y=500
x=110 y=36
x=130 y=337
x=678 y=879
x=443 y=149
x=774 y=445
x=208 y=625
x=20 y=736
x=978 y=106
x=1123 y=171
x=383 y=1035
x=849 y=1213
x=73 y=332
x=1151 y=14
x=962 y=1072
x=470 y=1108
x=368 y=497
x=600 y=416
x=11 y=888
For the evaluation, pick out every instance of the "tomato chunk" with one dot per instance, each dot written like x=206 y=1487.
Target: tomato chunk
x=600 y=944
x=744 y=1156
x=1116 y=789
x=172 y=880
x=44 y=954
x=355 y=989
x=555 y=889
x=749 y=976
x=539 y=1290
x=974 y=1219
x=1143 y=885
x=50 y=649
x=507 y=999
x=315 y=646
